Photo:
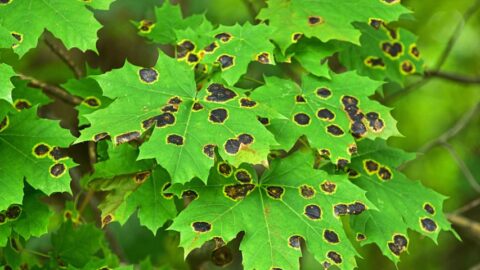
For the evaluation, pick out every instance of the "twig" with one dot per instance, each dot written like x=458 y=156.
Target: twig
x=63 y=55
x=452 y=77
x=468 y=206
x=56 y=91
x=466 y=223
x=463 y=167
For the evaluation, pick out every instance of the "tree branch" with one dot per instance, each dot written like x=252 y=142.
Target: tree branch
x=463 y=167
x=468 y=206
x=53 y=90
x=452 y=77
x=466 y=223
x=63 y=55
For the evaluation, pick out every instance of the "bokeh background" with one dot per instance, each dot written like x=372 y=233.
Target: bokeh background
x=438 y=114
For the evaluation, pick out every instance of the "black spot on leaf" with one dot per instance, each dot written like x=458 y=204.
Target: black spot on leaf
x=232 y=146
x=211 y=47
x=238 y=191
x=92 y=102
x=370 y=166
x=224 y=37
x=219 y=93
x=335 y=130
x=58 y=153
x=340 y=209
x=428 y=224
x=13 y=211
x=246 y=102
x=407 y=67
x=392 y=49
x=296 y=36
x=22 y=104
x=263 y=58
x=141 y=177
x=335 y=257
x=4 y=123
x=375 y=62
x=3 y=217
x=314 y=20
x=325 y=114
x=226 y=61
x=148 y=75
x=225 y=169
x=324 y=92
x=175 y=100
x=356 y=208
x=375 y=23
x=166 y=194
x=58 y=169
x=360 y=237
x=295 y=241
x=243 y=176
x=265 y=121
x=302 y=119
x=41 y=150
x=175 y=139
x=245 y=138
x=209 y=150
x=398 y=245
x=385 y=173
x=275 y=192
x=218 y=115
x=127 y=137
x=201 y=226
x=331 y=236
x=313 y=211
x=197 y=106
x=192 y=58
x=429 y=208
x=307 y=191
x=328 y=187
x=300 y=99
x=414 y=51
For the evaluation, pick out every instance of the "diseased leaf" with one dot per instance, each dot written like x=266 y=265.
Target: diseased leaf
x=292 y=202
x=7 y=40
x=25 y=97
x=188 y=123
x=311 y=54
x=331 y=113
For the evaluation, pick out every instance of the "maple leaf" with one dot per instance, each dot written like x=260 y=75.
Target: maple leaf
x=166 y=97
x=324 y=19
x=7 y=40
x=290 y=203
x=6 y=85
x=331 y=113
x=70 y=21
x=311 y=53
x=402 y=204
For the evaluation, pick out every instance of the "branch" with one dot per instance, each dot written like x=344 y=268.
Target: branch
x=53 y=90
x=452 y=77
x=63 y=55
x=463 y=167
x=468 y=206
x=466 y=223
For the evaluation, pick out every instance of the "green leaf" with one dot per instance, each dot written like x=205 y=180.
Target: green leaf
x=182 y=115
x=311 y=54
x=384 y=54
x=291 y=201
x=6 y=85
x=7 y=40
x=69 y=21
x=318 y=109
x=35 y=145
x=324 y=19
x=402 y=203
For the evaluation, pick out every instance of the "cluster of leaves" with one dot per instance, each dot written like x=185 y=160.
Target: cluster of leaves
x=286 y=164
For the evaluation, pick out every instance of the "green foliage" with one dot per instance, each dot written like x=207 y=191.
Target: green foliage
x=191 y=142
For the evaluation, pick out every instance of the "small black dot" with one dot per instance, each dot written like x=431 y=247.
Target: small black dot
x=302 y=119
x=335 y=130
x=148 y=75
x=324 y=92
x=226 y=61
x=175 y=139
x=313 y=211
x=232 y=146
x=201 y=226
x=331 y=236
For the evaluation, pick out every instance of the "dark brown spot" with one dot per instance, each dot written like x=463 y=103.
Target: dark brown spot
x=238 y=191
x=188 y=45
x=201 y=226
x=58 y=153
x=307 y=191
x=245 y=138
x=358 y=129
x=4 y=2
x=41 y=150
x=428 y=224
x=13 y=211
x=394 y=50
x=243 y=176
x=340 y=209
x=225 y=169
x=164 y=189
x=4 y=123
x=314 y=20
x=360 y=237
x=371 y=166
x=328 y=187
x=175 y=100
x=225 y=61
x=218 y=115
x=246 y=102
x=398 y=245
x=107 y=219
x=275 y=192
x=192 y=58
x=331 y=236
x=352 y=173
x=265 y=121
x=232 y=146
x=385 y=173
x=407 y=67
x=145 y=25
x=224 y=37
x=300 y=99
x=335 y=130
x=170 y=108
x=161 y=120
x=352 y=149
x=349 y=101
x=21 y=104
x=324 y=92
x=335 y=257
x=342 y=163
x=297 y=36
x=295 y=241
x=92 y=102
x=211 y=47
x=325 y=114
x=197 y=106
x=414 y=51
x=302 y=119
x=263 y=58
x=189 y=194
x=429 y=208
x=325 y=152
x=219 y=93
x=313 y=211
x=148 y=75
x=141 y=177
x=58 y=169
x=375 y=23
x=356 y=208
x=175 y=139
x=375 y=62
x=209 y=150
x=100 y=136
x=127 y=137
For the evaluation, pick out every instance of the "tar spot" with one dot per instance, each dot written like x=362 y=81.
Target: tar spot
x=170 y=108
x=302 y=119
x=371 y=166
x=21 y=104
x=335 y=257
x=4 y=123
x=41 y=150
x=201 y=227
x=146 y=26
x=245 y=138
x=218 y=115
x=398 y=245
x=429 y=208
x=188 y=45
x=328 y=187
x=349 y=101
x=352 y=173
x=375 y=62
x=324 y=92
x=295 y=241
x=263 y=58
x=313 y=211
x=263 y=120
x=325 y=114
x=331 y=236
x=307 y=191
x=175 y=139
x=238 y=191
x=325 y=152
x=100 y=136
x=340 y=209
x=192 y=58
x=161 y=120
x=58 y=153
x=92 y=102
x=225 y=169
x=335 y=130
x=297 y=36
x=107 y=219
x=300 y=99
x=414 y=51
x=219 y=93
x=189 y=194
x=243 y=176
x=358 y=129
x=166 y=194
x=246 y=102
x=232 y=146
x=197 y=106
x=127 y=137
x=407 y=67
x=209 y=150
x=13 y=212
x=148 y=75
x=225 y=61
x=141 y=177
x=211 y=47
x=4 y=2
x=352 y=149
x=356 y=208
x=361 y=237
x=275 y=192
x=375 y=23
x=58 y=169
x=342 y=163
x=428 y=224
x=394 y=50
x=224 y=37
x=384 y=173
x=314 y=20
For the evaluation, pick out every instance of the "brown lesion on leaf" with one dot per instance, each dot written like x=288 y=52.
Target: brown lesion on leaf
x=295 y=241
x=247 y=103
x=183 y=48
x=41 y=150
x=429 y=208
x=57 y=153
x=245 y=138
x=392 y=50
x=192 y=58
x=22 y=104
x=17 y=36
x=201 y=226
x=226 y=61
x=146 y=26
x=315 y=20
x=407 y=67
x=237 y=192
x=300 y=99
x=352 y=149
x=160 y=121
x=5 y=2
x=210 y=48
x=356 y=208
x=374 y=62
x=197 y=106
x=313 y=212
x=148 y=75
x=232 y=146
x=302 y=119
x=175 y=139
x=218 y=116
x=107 y=219
x=398 y=244
x=384 y=173
x=224 y=169
x=325 y=152
x=13 y=212
x=353 y=174
x=127 y=137
x=57 y=170
x=100 y=136
x=167 y=195
x=325 y=114
x=360 y=237
x=340 y=209
x=375 y=23
x=335 y=130
x=4 y=123
x=323 y=92
x=219 y=93
x=141 y=177
x=92 y=102
x=307 y=191
x=264 y=120
x=224 y=37
x=427 y=224
x=375 y=123
x=331 y=236
x=335 y=257
x=209 y=150
x=328 y=187
x=370 y=166
x=296 y=36
x=263 y=58
x=414 y=52
x=275 y=192
x=243 y=176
